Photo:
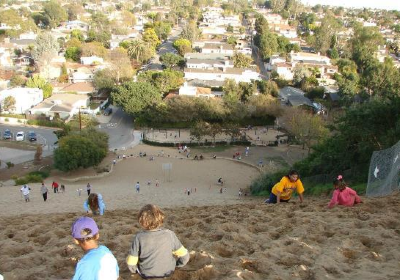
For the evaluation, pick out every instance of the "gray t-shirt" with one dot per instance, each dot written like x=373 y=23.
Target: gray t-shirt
x=159 y=251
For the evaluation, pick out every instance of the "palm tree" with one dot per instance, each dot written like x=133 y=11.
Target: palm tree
x=136 y=49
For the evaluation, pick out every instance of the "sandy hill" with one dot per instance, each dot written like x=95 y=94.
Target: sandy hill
x=250 y=240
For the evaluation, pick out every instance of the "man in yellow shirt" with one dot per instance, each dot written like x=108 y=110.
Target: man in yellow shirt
x=283 y=190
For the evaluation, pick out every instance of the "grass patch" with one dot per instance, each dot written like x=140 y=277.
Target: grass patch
x=279 y=160
x=32 y=177
x=215 y=149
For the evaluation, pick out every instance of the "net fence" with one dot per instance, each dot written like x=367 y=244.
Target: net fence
x=384 y=172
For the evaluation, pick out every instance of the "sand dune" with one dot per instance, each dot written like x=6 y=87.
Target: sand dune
x=243 y=241
x=228 y=238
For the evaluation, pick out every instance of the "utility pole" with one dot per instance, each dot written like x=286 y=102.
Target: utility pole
x=80 y=120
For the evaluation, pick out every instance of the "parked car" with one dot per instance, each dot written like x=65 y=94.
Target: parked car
x=20 y=136
x=32 y=136
x=107 y=111
x=7 y=134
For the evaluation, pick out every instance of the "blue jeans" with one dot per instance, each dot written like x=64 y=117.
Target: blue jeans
x=274 y=199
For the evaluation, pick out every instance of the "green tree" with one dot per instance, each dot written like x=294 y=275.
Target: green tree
x=9 y=103
x=76 y=33
x=150 y=36
x=182 y=46
x=121 y=65
x=364 y=44
x=267 y=44
x=17 y=81
x=94 y=48
x=308 y=129
x=171 y=60
x=73 y=53
x=134 y=97
x=76 y=151
x=241 y=60
x=361 y=130
x=38 y=82
x=140 y=50
x=74 y=11
x=229 y=28
x=164 y=81
x=45 y=48
x=104 y=79
x=64 y=74
x=325 y=35
x=162 y=29
x=190 y=32
x=54 y=12
x=231 y=40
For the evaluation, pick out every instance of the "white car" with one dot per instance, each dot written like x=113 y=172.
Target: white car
x=20 y=136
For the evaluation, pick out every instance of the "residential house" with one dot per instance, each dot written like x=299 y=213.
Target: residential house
x=294 y=97
x=28 y=36
x=61 y=105
x=91 y=60
x=284 y=70
x=5 y=58
x=78 y=88
x=5 y=77
x=222 y=48
x=284 y=30
x=81 y=74
x=274 y=59
x=23 y=60
x=193 y=91
x=206 y=56
x=237 y=74
x=25 y=98
x=22 y=44
x=208 y=63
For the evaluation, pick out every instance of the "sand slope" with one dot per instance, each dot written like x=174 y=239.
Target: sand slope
x=243 y=241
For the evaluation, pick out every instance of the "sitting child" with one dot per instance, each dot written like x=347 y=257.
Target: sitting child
x=343 y=195
x=155 y=251
x=98 y=261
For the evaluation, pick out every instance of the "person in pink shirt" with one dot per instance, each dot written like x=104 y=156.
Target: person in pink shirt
x=343 y=195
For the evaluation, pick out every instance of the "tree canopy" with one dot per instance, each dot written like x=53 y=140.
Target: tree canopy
x=134 y=97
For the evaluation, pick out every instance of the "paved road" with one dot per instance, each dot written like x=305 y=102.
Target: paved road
x=165 y=47
x=119 y=128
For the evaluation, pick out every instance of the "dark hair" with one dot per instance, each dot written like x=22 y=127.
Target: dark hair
x=93 y=202
x=293 y=172
x=339 y=181
x=87 y=231
x=151 y=217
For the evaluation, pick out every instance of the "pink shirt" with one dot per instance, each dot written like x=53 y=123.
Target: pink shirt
x=347 y=197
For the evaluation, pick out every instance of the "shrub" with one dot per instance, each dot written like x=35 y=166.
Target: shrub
x=6 y=120
x=9 y=164
x=264 y=183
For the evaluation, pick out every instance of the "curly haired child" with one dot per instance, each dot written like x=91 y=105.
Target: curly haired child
x=155 y=251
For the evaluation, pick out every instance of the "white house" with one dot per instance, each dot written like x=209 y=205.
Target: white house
x=29 y=35
x=274 y=59
x=218 y=48
x=25 y=98
x=81 y=74
x=208 y=63
x=62 y=105
x=312 y=58
x=5 y=58
x=237 y=74
x=284 y=70
x=89 y=60
x=195 y=91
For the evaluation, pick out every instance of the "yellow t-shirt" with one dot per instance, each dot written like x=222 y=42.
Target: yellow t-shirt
x=286 y=188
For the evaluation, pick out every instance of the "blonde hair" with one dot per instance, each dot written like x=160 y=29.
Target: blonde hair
x=150 y=217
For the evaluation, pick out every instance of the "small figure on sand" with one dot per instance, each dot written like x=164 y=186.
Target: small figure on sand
x=98 y=261
x=54 y=186
x=220 y=182
x=25 y=190
x=283 y=190
x=137 y=186
x=88 y=189
x=157 y=183
x=343 y=194
x=240 y=192
x=155 y=251
x=44 y=191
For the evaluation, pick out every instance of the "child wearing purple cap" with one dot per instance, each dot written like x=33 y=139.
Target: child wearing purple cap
x=98 y=263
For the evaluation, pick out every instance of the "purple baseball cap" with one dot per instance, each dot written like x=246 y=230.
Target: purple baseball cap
x=80 y=225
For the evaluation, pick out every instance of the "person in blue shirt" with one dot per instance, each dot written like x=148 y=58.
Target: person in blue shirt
x=98 y=263
x=95 y=204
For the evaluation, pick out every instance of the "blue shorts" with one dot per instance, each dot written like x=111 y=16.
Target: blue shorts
x=274 y=199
